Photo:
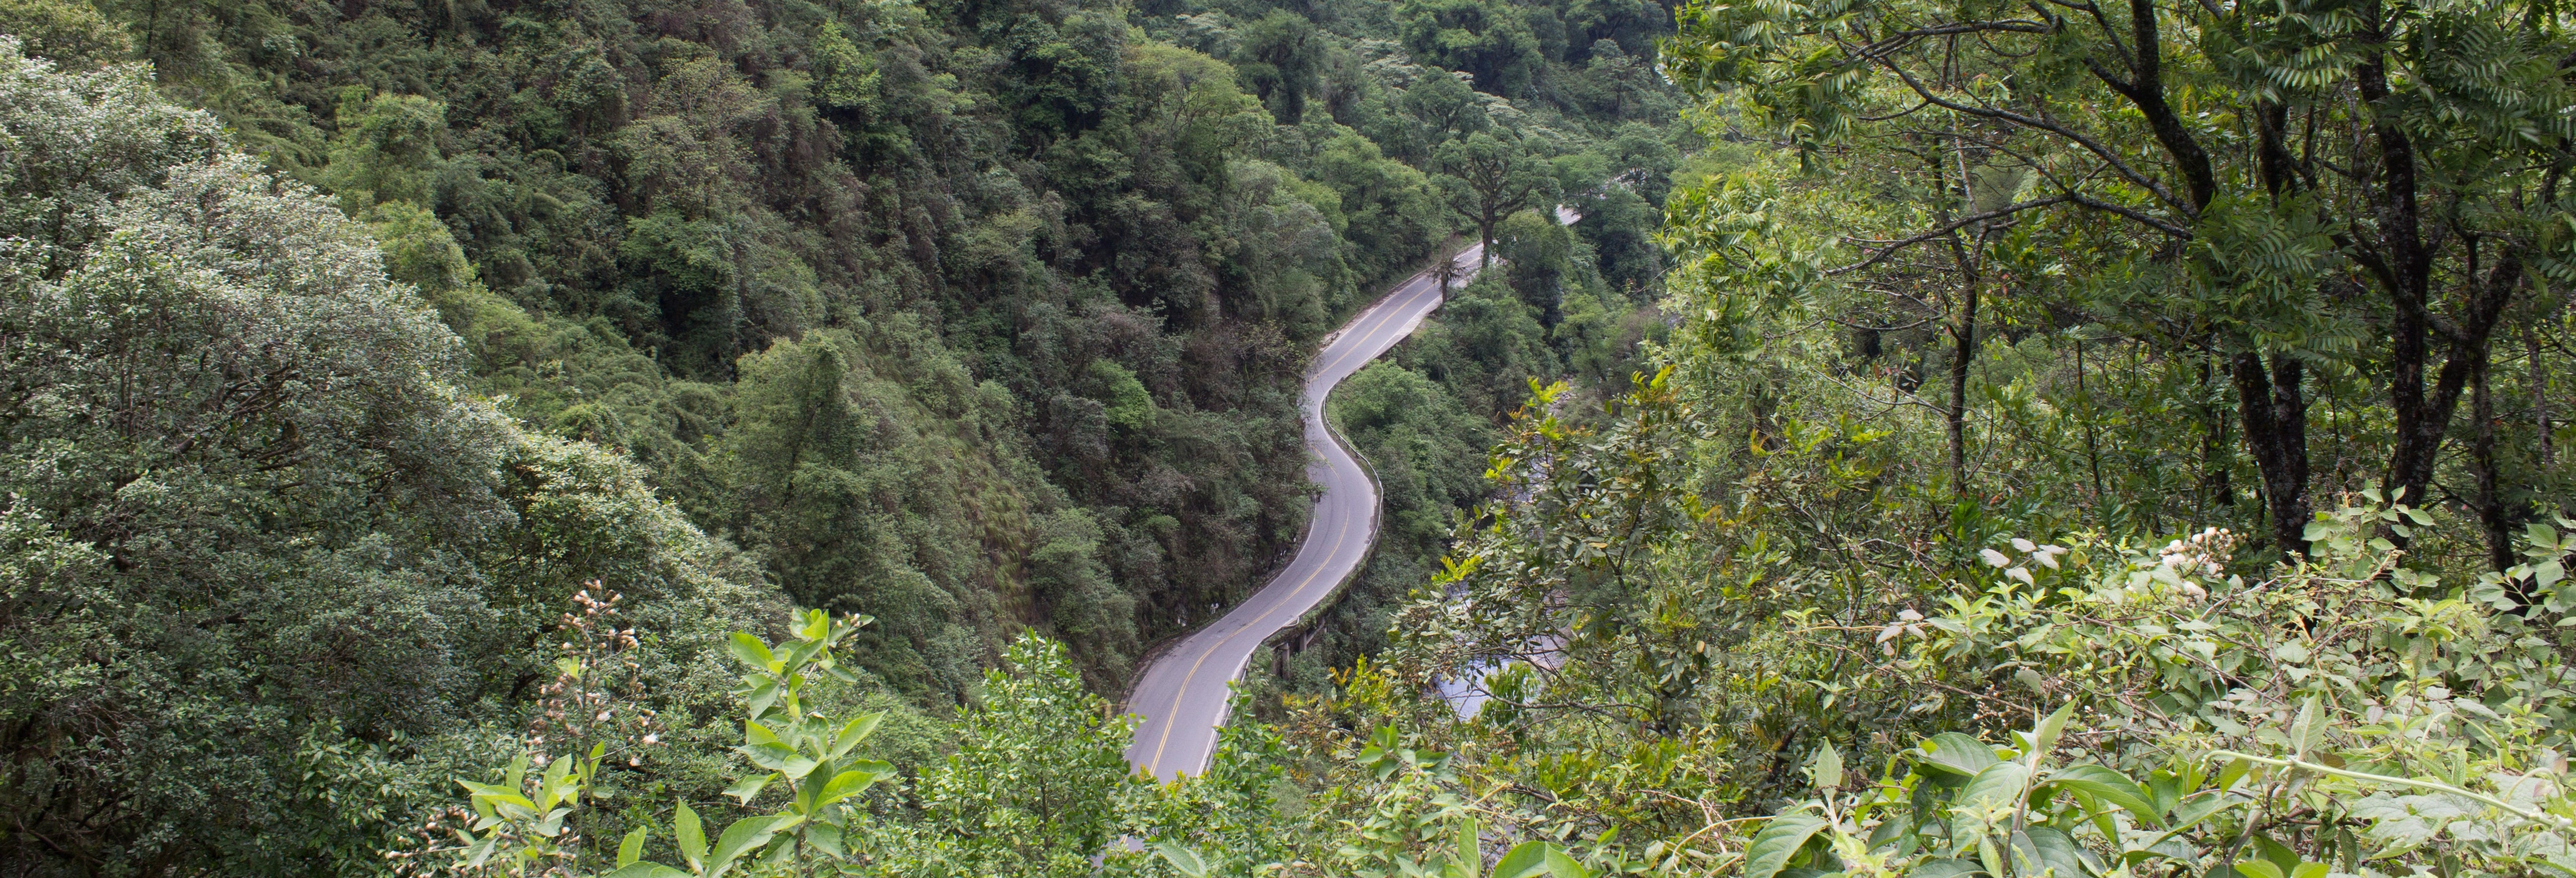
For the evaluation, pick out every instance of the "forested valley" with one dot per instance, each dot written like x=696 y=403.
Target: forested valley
x=768 y=437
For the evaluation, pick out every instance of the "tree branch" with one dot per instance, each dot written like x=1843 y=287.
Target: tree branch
x=1948 y=227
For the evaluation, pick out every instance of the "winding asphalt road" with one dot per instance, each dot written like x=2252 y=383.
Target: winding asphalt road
x=1182 y=696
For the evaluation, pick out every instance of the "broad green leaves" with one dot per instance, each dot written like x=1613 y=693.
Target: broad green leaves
x=1182 y=859
x=2111 y=787
x=1827 y=772
x=750 y=651
x=1780 y=839
x=1539 y=859
x=1957 y=754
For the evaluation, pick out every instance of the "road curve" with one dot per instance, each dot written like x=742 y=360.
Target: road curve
x=1182 y=696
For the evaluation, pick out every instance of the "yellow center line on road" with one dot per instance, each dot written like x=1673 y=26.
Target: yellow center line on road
x=1156 y=764
x=1382 y=320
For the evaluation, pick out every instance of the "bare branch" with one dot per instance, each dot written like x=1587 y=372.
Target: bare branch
x=2089 y=144
x=2131 y=213
x=1948 y=227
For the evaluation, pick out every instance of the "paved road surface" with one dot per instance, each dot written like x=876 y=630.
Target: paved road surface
x=1183 y=695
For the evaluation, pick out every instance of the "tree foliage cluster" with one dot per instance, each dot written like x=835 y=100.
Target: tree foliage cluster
x=253 y=519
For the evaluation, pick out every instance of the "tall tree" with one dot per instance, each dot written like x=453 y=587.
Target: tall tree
x=1282 y=58
x=1500 y=43
x=1495 y=177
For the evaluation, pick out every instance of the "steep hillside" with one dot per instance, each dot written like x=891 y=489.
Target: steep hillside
x=1066 y=258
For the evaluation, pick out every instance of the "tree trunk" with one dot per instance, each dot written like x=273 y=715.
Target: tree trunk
x=2092 y=448
x=2539 y=395
x=2424 y=414
x=2217 y=482
x=1965 y=334
x=2274 y=410
x=1485 y=240
x=2491 y=511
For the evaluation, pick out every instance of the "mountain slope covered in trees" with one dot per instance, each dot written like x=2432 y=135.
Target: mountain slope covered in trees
x=972 y=317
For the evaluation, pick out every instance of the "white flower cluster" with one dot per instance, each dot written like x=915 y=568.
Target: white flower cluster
x=2203 y=554
x=2175 y=567
x=1907 y=622
x=2044 y=556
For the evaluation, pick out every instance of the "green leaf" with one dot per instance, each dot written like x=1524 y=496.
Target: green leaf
x=764 y=694
x=1895 y=833
x=781 y=850
x=481 y=851
x=2283 y=859
x=2233 y=771
x=2109 y=786
x=2031 y=680
x=646 y=870
x=632 y=848
x=850 y=783
x=2191 y=811
x=779 y=758
x=692 y=835
x=1527 y=860
x=1562 y=864
x=744 y=836
x=1772 y=847
x=1957 y=754
x=1944 y=868
x=858 y=729
x=2000 y=784
x=749 y=786
x=827 y=837
x=2051 y=849
x=750 y=651
x=1183 y=860
x=2258 y=869
x=2044 y=738
x=1470 y=857
x=792 y=657
x=2306 y=731
x=551 y=787
x=1829 y=769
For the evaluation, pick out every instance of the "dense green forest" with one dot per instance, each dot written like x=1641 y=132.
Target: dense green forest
x=2054 y=440
x=977 y=319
